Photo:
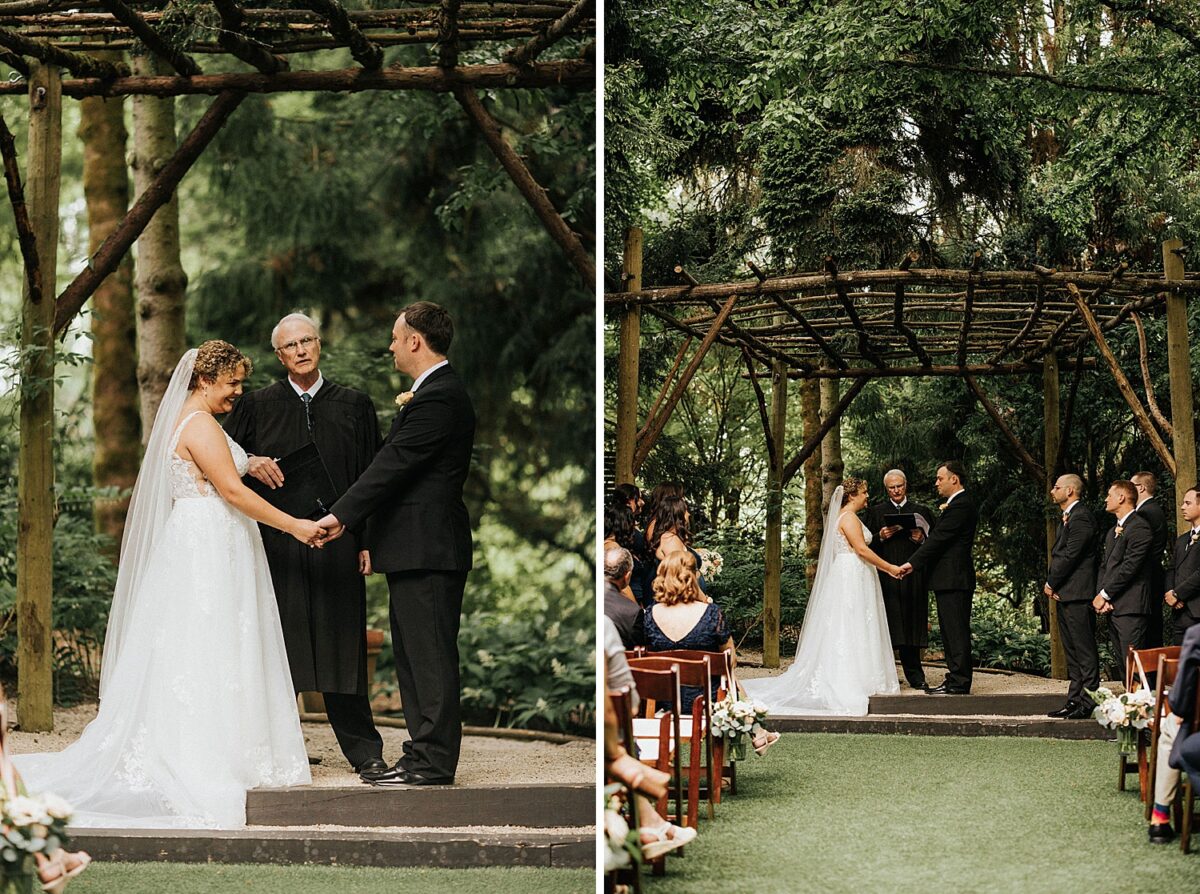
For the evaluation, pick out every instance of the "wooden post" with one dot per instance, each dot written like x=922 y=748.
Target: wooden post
x=35 y=499
x=773 y=546
x=627 y=359
x=1180 y=370
x=1058 y=657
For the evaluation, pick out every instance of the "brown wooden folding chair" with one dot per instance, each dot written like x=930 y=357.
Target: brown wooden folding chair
x=660 y=741
x=695 y=726
x=1165 y=676
x=1136 y=677
x=622 y=702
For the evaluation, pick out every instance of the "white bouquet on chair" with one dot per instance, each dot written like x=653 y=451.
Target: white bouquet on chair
x=710 y=563
x=29 y=825
x=1127 y=713
x=734 y=719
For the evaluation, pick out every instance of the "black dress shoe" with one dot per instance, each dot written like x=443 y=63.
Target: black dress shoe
x=1161 y=833
x=372 y=769
x=1065 y=711
x=408 y=777
x=947 y=690
x=1081 y=712
x=922 y=686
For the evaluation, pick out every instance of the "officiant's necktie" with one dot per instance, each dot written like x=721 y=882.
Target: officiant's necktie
x=308 y=420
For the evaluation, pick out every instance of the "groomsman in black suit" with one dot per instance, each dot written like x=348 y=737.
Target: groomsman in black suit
x=1183 y=575
x=1150 y=509
x=1125 y=576
x=1071 y=582
x=946 y=553
x=906 y=601
x=420 y=537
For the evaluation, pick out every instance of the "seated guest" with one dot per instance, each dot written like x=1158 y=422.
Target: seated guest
x=658 y=836
x=632 y=497
x=1178 y=743
x=1183 y=572
x=668 y=532
x=627 y=616
x=620 y=530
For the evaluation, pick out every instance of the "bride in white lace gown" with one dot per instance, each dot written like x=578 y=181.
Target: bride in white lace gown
x=196 y=701
x=845 y=653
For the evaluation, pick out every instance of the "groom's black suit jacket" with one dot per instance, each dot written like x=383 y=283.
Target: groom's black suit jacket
x=1183 y=576
x=412 y=491
x=947 y=549
x=1126 y=573
x=1073 y=558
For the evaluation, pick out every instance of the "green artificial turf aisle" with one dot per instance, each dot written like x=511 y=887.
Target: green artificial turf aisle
x=182 y=878
x=868 y=813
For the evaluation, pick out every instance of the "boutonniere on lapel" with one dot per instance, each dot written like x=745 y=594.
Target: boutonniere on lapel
x=942 y=508
x=404 y=398
x=1120 y=530
x=1195 y=536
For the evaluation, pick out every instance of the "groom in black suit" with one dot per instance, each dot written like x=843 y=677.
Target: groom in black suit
x=946 y=554
x=420 y=536
x=1125 y=575
x=1071 y=582
x=1183 y=576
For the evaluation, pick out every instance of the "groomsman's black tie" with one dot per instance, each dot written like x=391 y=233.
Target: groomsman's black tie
x=308 y=420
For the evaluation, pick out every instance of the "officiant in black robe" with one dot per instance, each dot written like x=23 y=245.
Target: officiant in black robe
x=321 y=592
x=906 y=601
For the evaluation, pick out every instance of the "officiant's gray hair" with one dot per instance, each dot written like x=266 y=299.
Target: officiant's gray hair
x=295 y=318
x=890 y=472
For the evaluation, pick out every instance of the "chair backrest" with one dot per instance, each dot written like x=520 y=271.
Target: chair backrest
x=622 y=702
x=691 y=673
x=720 y=664
x=1165 y=675
x=1149 y=662
x=656 y=686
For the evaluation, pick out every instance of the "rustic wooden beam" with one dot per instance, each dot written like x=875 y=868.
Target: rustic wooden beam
x=559 y=29
x=366 y=53
x=79 y=64
x=1179 y=365
x=26 y=237
x=1038 y=303
x=448 y=34
x=566 y=238
x=763 y=415
x=902 y=327
x=569 y=73
x=1052 y=340
x=1052 y=448
x=109 y=255
x=236 y=42
x=655 y=427
x=1148 y=386
x=173 y=56
x=916 y=372
x=818 y=436
x=968 y=312
x=666 y=385
x=628 y=357
x=1139 y=413
x=816 y=336
x=773 y=535
x=1031 y=466
x=15 y=62
x=865 y=347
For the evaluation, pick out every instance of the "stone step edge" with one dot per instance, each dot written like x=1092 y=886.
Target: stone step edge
x=355 y=847
x=943 y=725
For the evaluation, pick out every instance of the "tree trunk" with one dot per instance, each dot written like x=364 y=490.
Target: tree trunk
x=832 y=467
x=814 y=519
x=161 y=283
x=114 y=376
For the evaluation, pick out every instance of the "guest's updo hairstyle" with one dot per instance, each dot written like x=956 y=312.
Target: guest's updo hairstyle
x=851 y=488
x=677 y=582
x=216 y=358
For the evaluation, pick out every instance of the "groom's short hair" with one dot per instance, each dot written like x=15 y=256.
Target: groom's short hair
x=433 y=322
x=955 y=468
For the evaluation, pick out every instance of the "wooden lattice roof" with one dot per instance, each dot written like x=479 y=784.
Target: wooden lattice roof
x=907 y=321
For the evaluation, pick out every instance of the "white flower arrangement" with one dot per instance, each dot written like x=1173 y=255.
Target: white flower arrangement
x=732 y=717
x=1126 y=713
x=30 y=824
x=621 y=844
x=710 y=563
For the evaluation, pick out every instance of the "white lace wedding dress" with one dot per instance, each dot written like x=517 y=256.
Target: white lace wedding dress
x=845 y=652
x=198 y=706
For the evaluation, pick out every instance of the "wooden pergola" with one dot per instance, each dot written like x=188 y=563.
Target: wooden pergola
x=39 y=39
x=860 y=325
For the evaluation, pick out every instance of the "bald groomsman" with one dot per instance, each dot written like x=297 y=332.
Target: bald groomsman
x=1071 y=582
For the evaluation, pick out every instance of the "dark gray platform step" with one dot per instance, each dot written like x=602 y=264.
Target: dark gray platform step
x=545 y=805
x=1015 y=705
x=1033 y=726
x=342 y=848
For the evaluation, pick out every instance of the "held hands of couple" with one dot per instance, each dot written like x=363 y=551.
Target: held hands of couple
x=900 y=572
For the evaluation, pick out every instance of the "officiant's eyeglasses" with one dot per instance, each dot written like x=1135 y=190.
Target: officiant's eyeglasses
x=307 y=342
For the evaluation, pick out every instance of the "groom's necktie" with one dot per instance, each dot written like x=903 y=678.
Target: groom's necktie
x=308 y=420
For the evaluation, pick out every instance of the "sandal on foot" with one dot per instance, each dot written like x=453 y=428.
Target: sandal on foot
x=74 y=862
x=52 y=874
x=664 y=839
x=761 y=745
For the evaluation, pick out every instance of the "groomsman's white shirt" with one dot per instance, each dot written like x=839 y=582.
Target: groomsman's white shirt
x=425 y=375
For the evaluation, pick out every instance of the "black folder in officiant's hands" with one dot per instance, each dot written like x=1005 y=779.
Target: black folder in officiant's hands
x=905 y=520
x=307 y=490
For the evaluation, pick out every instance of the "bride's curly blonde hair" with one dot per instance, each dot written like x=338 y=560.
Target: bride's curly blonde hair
x=677 y=582
x=852 y=487
x=216 y=357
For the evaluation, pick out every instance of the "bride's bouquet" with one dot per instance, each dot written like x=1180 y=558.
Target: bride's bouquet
x=1127 y=713
x=710 y=563
x=734 y=719
x=29 y=825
